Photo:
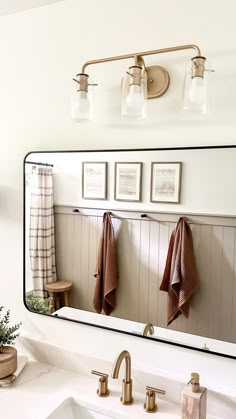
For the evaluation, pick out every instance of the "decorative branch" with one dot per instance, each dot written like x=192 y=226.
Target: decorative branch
x=8 y=333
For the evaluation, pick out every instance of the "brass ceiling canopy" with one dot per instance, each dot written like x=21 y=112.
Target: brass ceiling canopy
x=158 y=81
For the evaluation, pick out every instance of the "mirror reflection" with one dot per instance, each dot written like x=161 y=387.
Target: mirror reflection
x=134 y=239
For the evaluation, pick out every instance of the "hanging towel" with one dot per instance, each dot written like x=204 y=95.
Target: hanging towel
x=106 y=270
x=180 y=278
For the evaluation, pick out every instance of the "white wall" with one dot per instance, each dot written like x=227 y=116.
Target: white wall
x=213 y=196
x=13 y=6
x=41 y=50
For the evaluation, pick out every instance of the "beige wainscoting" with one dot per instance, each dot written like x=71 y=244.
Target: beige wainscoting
x=142 y=248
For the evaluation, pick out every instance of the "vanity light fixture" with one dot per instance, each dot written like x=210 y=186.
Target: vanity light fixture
x=141 y=83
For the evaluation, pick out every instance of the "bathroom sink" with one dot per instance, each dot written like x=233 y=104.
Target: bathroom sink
x=70 y=409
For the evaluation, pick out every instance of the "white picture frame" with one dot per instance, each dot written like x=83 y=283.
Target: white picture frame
x=94 y=180
x=166 y=182
x=128 y=181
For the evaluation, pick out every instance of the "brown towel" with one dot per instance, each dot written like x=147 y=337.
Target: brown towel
x=106 y=270
x=180 y=278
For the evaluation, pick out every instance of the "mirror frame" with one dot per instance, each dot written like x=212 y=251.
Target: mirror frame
x=153 y=339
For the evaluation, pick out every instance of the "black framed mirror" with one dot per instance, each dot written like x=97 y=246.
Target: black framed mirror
x=145 y=192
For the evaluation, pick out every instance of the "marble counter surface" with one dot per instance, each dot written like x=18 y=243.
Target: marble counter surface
x=54 y=374
x=41 y=388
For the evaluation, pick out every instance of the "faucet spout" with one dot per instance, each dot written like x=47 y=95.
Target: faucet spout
x=116 y=367
x=149 y=328
x=126 y=397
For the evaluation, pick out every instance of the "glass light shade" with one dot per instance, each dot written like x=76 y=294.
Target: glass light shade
x=134 y=97
x=82 y=105
x=195 y=94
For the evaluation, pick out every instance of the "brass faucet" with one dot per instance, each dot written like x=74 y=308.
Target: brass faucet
x=126 y=397
x=148 y=328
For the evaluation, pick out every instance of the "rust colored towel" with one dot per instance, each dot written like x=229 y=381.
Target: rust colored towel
x=180 y=278
x=106 y=270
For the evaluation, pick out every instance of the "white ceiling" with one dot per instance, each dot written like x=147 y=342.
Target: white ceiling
x=12 y=6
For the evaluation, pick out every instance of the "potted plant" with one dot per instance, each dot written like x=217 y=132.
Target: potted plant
x=37 y=304
x=8 y=354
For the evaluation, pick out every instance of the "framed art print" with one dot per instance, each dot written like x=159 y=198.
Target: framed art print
x=166 y=182
x=128 y=181
x=94 y=180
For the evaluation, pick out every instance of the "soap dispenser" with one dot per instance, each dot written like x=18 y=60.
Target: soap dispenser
x=194 y=399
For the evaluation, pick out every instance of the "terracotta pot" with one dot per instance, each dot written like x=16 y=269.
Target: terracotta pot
x=8 y=361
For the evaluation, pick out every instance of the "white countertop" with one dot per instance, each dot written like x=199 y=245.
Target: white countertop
x=54 y=374
x=41 y=388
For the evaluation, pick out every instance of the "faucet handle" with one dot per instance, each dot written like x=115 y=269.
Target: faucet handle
x=102 y=390
x=150 y=406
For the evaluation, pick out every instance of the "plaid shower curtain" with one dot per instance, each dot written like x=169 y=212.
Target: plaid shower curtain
x=41 y=230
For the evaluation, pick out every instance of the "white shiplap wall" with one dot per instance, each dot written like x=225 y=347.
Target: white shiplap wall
x=142 y=248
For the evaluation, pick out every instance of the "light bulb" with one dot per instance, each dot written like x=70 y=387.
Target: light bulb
x=80 y=106
x=135 y=99
x=83 y=102
x=197 y=91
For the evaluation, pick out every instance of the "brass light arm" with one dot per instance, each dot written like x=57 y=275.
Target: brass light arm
x=138 y=55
